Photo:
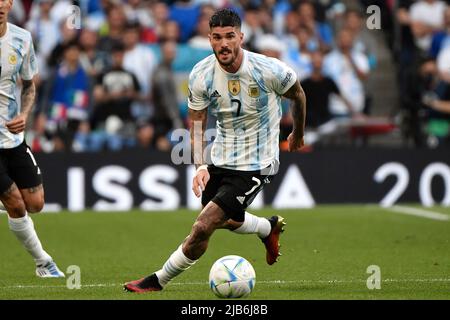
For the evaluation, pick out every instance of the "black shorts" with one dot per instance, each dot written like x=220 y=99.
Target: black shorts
x=233 y=191
x=18 y=165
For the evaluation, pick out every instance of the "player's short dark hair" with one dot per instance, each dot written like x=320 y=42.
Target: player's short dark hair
x=225 y=18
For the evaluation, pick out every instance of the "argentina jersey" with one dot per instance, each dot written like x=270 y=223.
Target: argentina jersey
x=247 y=105
x=17 y=58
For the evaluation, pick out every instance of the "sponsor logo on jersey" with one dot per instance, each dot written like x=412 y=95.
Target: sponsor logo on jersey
x=253 y=90
x=234 y=86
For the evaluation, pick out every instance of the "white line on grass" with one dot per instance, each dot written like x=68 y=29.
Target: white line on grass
x=418 y=212
x=261 y=282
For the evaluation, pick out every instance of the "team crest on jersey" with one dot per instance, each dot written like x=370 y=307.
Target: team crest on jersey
x=234 y=86
x=12 y=59
x=253 y=90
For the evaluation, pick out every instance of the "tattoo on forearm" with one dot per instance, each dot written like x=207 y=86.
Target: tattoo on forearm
x=198 y=126
x=298 y=107
x=27 y=97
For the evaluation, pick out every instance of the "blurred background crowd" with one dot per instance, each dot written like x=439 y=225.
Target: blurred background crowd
x=113 y=75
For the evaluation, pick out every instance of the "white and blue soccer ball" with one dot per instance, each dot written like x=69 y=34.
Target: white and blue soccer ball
x=232 y=277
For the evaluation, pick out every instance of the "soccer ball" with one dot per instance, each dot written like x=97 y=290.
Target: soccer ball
x=232 y=277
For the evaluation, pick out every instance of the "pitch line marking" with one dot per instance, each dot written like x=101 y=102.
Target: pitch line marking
x=418 y=212
x=263 y=282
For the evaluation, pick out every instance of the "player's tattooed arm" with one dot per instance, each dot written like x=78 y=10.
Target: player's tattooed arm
x=28 y=95
x=17 y=125
x=298 y=108
x=197 y=119
x=197 y=124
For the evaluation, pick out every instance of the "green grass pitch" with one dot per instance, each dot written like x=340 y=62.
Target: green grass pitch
x=326 y=253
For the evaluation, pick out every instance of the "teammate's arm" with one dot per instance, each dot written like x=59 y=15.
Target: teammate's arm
x=197 y=121
x=298 y=109
x=17 y=125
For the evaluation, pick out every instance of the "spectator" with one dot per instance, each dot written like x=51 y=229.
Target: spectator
x=443 y=64
x=300 y=58
x=363 y=39
x=426 y=18
x=160 y=14
x=68 y=35
x=17 y=14
x=58 y=13
x=140 y=61
x=319 y=88
x=68 y=100
x=170 y=31
x=92 y=60
x=112 y=30
x=201 y=39
x=112 y=123
x=438 y=125
x=137 y=12
x=319 y=30
x=404 y=47
x=418 y=79
x=349 y=69
x=252 y=27
x=45 y=33
x=441 y=39
x=164 y=92
x=44 y=30
x=271 y=46
x=185 y=13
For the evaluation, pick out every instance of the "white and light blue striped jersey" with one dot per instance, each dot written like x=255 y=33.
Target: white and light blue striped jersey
x=247 y=105
x=17 y=58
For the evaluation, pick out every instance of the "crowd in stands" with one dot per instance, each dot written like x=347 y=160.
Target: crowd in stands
x=102 y=85
x=422 y=52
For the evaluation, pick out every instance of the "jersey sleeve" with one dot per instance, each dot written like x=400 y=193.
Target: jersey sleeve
x=29 y=64
x=197 y=95
x=282 y=77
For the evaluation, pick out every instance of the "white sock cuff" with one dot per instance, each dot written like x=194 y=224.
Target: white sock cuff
x=254 y=224
x=176 y=264
x=180 y=252
x=19 y=224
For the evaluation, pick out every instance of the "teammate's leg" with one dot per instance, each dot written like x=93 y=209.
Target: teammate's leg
x=22 y=225
x=193 y=247
x=24 y=193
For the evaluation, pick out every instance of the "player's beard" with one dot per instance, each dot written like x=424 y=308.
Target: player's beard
x=231 y=56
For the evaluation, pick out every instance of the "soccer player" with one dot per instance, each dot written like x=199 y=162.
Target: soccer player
x=21 y=189
x=244 y=91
